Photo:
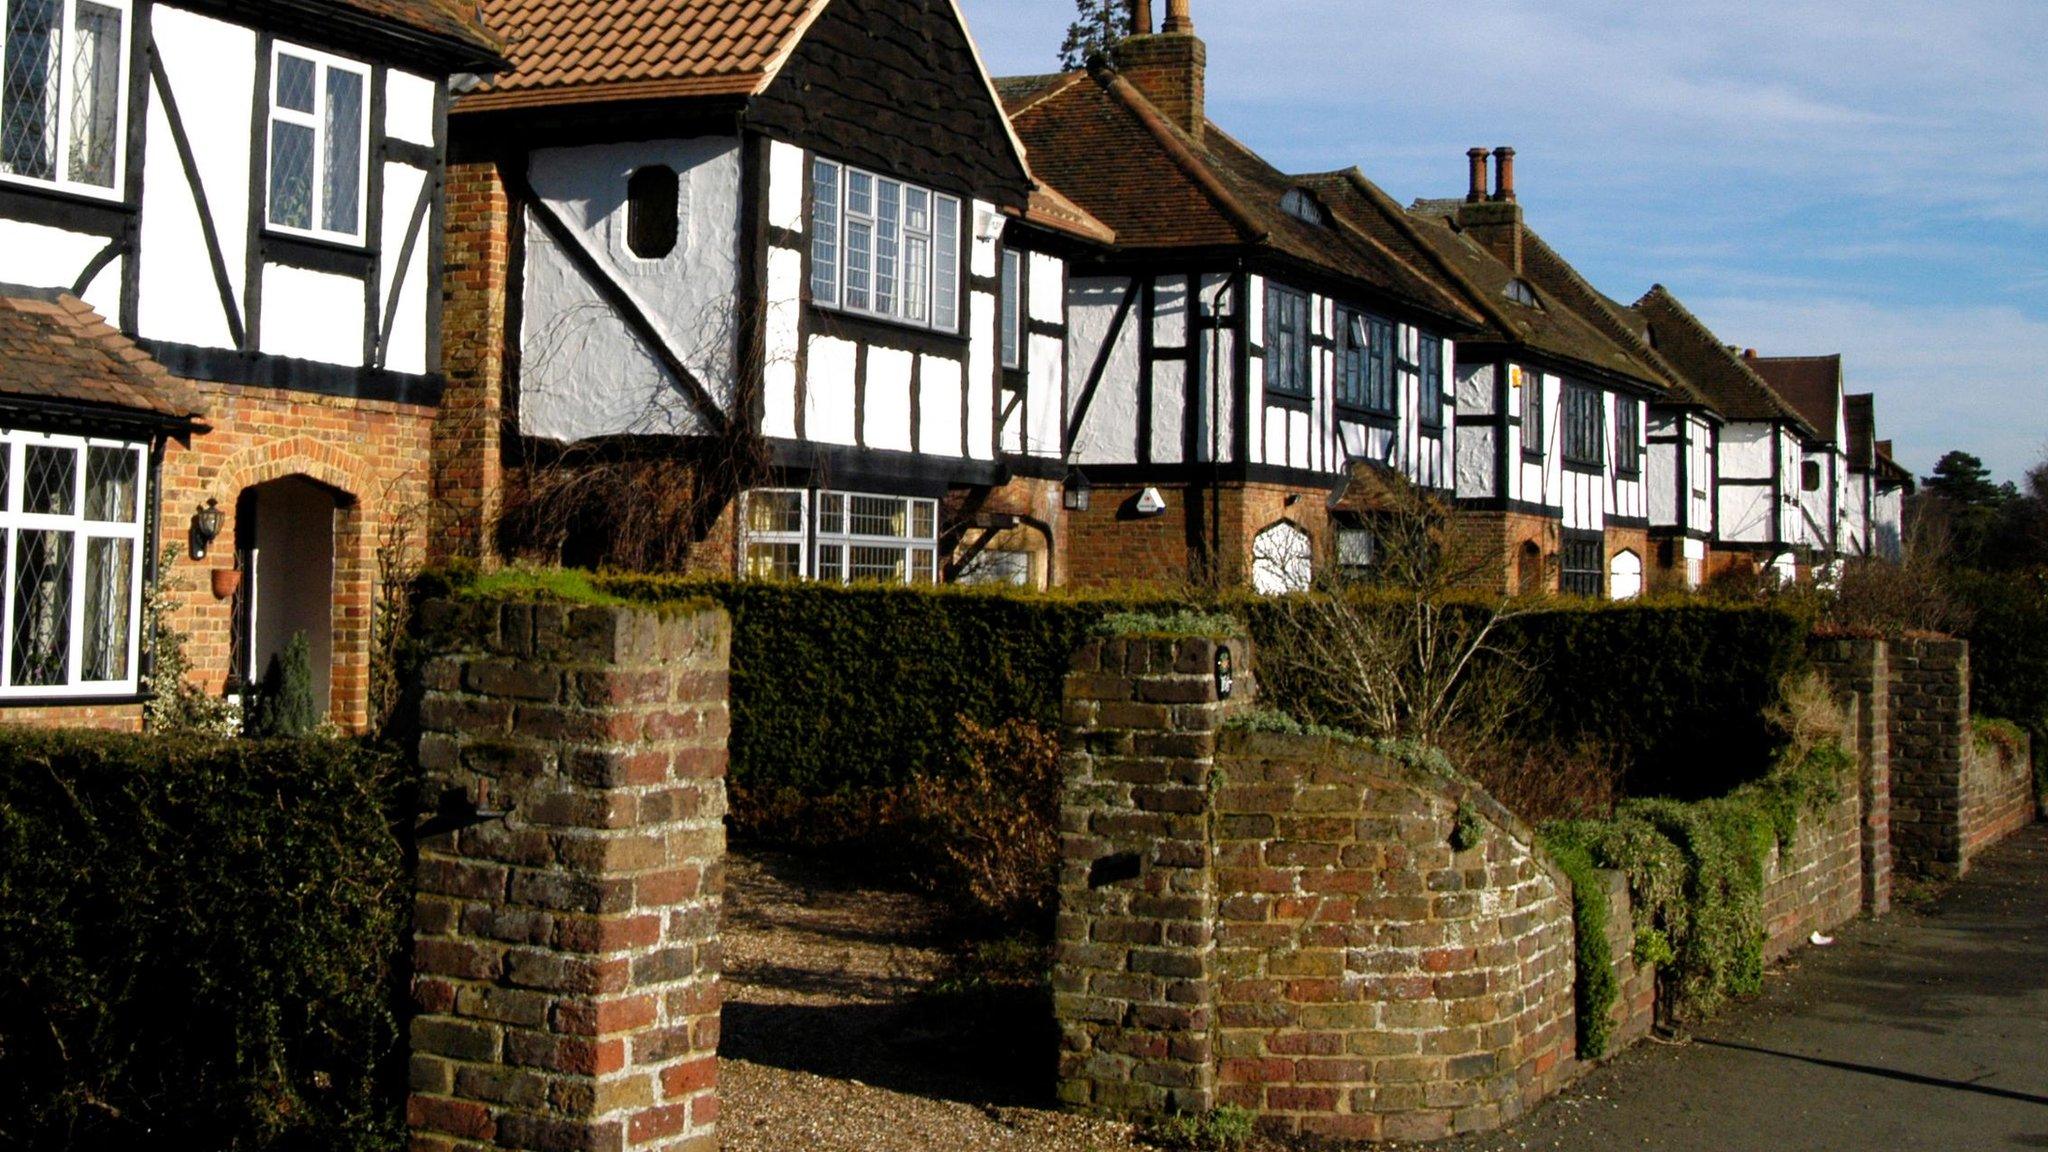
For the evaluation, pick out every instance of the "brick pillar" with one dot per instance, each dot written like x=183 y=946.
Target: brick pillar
x=1860 y=671
x=1133 y=970
x=475 y=318
x=1930 y=739
x=566 y=952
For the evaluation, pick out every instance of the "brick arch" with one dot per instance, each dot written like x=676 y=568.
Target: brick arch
x=336 y=467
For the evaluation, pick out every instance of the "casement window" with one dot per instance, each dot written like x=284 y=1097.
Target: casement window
x=653 y=211
x=1585 y=438
x=1287 y=343
x=64 y=92
x=840 y=537
x=1357 y=550
x=1013 y=308
x=1365 y=362
x=1628 y=437
x=1584 y=565
x=319 y=144
x=1809 y=476
x=884 y=248
x=1431 y=414
x=1533 y=412
x=72 y=511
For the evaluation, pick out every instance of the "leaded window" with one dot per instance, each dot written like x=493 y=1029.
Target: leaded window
x=840 y=537
x=1365 y=362
x=1585 y=424
x=63 y=89
x=1287 y=342
x=319 y=137
x=1628 y=436
x=884 y=247
x=71 y=510
x=1431 y=403
x=1583 y=567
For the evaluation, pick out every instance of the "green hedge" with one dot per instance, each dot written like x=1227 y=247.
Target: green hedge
x=2009 y=645
x=201 y=943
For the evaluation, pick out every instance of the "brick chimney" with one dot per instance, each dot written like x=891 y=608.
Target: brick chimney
x=1170 y=66
x=1493 y=221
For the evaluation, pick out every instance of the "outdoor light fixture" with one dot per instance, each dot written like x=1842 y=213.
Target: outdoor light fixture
x=1078 y=491
x=1226 y=675
x=206 y=524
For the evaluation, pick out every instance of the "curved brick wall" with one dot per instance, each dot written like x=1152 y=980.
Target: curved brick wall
x=1372 y=981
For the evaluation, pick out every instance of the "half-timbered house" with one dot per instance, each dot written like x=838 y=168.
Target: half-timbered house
x=790 y=248
x=1874 y=517
x=1812 y=385
x=222 y=220
x=1244 y=347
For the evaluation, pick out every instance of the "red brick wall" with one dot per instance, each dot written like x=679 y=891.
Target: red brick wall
x=1111 y=545
x=1488 y=546
x=468 y=466
x=1998 y=794
x=108 y=717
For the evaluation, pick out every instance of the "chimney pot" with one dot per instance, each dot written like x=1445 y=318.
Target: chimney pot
x=1504 y=175
x=1749 y=353
x=1141 y=17
x=1477 y=190
x=1178 y=18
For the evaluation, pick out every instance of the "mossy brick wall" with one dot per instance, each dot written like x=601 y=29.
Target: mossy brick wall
x=1997 y=793
x=1859 y=670
x=566 y=955
x=1634 y=1011
x=1376 y=980
x=1814 y=882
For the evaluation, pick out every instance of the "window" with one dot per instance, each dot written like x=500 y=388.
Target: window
x=1521 y=293
x=1357 y=550
x=1286 y=342
x=1628 y=437
x=1283 y=560
x=1809 y=476
x=1013 y=309
x=1534 y=412
x=1584 y=426
x=653 y=208
x=884 y=248
x=71 y=510
x=1432 y=353
x=318 y=142
x=63 y=87
x=1584 y=568
x=1298 y=203
x=1365 y=362
x=852 y=538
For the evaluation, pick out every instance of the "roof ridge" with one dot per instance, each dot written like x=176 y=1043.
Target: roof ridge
x=1606 y=317
x=1066 y=81
x=1398 y=218
x=1183 y=155
x=1658 y=295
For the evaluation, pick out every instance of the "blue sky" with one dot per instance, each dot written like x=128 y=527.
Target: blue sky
x=1811 y=176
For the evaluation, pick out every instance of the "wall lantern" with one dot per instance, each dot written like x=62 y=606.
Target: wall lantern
x=1079 y=492
x=1226 y=673
x=206 y=524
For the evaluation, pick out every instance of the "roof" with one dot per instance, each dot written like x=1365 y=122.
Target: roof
x=1050 y=210
x=1104 y=145
x=53 y=346
x=1859 y=416
x=1714 y=372
x=448 y=20
x=1811 y=384
x=570 y=50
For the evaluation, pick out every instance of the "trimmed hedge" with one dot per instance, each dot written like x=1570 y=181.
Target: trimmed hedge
x=202 y=943
x=2009 y=645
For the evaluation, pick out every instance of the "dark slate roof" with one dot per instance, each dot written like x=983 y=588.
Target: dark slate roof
x=1710 y=368
x=53 y=346
x=1811 y=384
x=1098 y=140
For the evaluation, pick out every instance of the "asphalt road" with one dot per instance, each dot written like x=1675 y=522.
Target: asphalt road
x=1925 y=1030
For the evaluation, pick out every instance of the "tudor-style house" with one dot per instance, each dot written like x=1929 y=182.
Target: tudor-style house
x=1812 y=385
x=1244 y=347
x=1878 y=487
x=219 y=260
x=797 y=228
x=1551 y=398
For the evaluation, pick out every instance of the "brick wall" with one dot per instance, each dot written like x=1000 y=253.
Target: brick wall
x=1815 y=882
x=1930 y=739
x=1111 y=545
x=1859 y=670
x=1490 y=546
x=1634 y=1012
x=1997 y=794
x=467 y=444
x=565 y=953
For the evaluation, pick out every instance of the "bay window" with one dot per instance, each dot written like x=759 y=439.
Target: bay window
x=319 y=142
x=1365 y=362
x=884 y=248
x=840 y=537
x=63 y=91
x=72 y=513
x=1287 y=343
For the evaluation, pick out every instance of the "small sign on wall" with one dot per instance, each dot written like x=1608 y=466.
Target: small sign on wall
x=1151 y=502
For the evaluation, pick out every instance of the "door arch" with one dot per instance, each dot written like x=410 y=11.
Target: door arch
x=285 y=541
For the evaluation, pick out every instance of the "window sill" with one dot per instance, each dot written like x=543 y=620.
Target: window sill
x=317 y=255
x=113 y=198
x=57 y=698
x=1585 y=467
x=1384 y=417
x=860 y=326
x=1290 y=400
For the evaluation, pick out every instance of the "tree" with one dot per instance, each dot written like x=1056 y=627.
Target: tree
x=1100 y=26
x=1961 y=496
x=1963 y=480
x=284 y=707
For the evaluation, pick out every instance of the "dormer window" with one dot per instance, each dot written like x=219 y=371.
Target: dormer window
x=653 y=202
x=63 y=89
x=1522 y=293
x=884 y=248
x=1299 y=204
x=319 y=143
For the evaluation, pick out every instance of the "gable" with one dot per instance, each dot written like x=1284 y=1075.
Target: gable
x=896 y=86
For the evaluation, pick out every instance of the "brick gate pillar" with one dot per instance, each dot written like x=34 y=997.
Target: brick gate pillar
x=1930 y=735
x=1860 y=670
x=566 y=936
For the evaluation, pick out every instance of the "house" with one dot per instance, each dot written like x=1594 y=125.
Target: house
x=785 y=252
x=1878 y=487
x=1813 y=386
x=219 y=249
x=1246 y=345
x=1551 y=399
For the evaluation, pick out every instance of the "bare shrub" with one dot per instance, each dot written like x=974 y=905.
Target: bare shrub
x=1887 y=598
x=1549 y=781
x=1809 y=716
x=990 y=835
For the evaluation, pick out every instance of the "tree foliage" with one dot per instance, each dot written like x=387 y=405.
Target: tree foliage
x=1099 y=27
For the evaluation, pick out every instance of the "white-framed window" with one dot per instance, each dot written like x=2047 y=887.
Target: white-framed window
x=883 y=247
x=1013 y=308
x=72 y=512
x=840 y=537
x=319 y=144
x=64 y=92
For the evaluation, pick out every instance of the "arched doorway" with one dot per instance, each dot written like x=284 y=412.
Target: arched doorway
x=1283 y=560
x=284 y=533
x=1625 y=576
x=1529 y=569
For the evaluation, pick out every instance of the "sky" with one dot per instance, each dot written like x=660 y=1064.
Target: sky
x=1867 y=177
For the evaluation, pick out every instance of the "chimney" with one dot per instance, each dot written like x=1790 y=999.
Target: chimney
x=1477 y=192
x=1170 y=67
x=1504 y=174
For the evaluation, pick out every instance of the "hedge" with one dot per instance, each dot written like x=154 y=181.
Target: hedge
x=2009 y=645
x=201 y=941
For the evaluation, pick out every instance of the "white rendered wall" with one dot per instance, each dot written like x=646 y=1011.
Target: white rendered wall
x=43 y=257
x=406 y=351
x=1109 y=433
x=409 y=107
x=310 y=315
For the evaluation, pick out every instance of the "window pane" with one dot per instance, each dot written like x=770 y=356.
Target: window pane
x=917 y=261
x=888 y=206
x=831 y=512
x=6 y=474
x=825 y=232
x=832 y=563
x=28 y=94
x=341 y=198
x=291 y=174
x=653 y=211
x=110 y=475
x=1013 y=309
x=877 y=516
x=859 y=234
x=95 y=94
x=109 y=587
x=42 y=608
x=50 y=485
x=923 y=566
x=868 y=562
x=924 y=520
x=295 y=77
x=946 y=265
x=774 y=561
x=775 y=512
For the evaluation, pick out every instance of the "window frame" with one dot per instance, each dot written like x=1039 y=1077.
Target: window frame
x=939 y=279
x=1296 y=349
x=639 y=218
x=1010 y=334
x=1628 y=436
x=920 y=553
x=1367 y=378
x=82 y=530
x=1575 y=577
x=1535 y=414
x=324 y=62
x=1584 y=443
x=117 y=189
x=1429 y=382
